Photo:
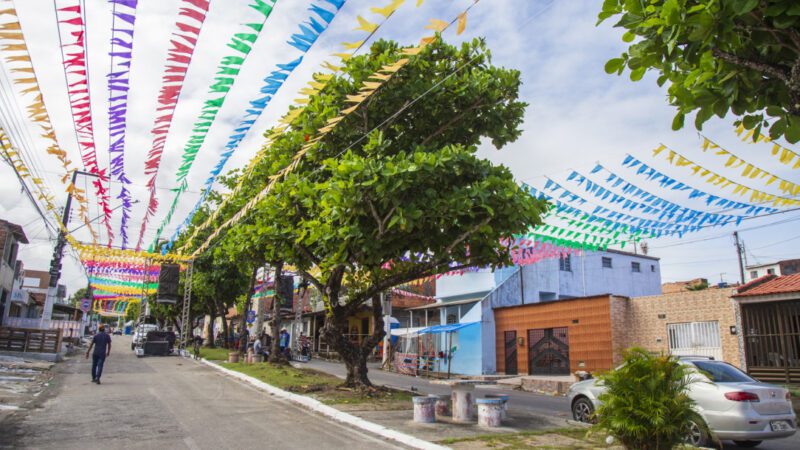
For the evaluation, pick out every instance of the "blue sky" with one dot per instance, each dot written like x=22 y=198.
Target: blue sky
x=578 y=115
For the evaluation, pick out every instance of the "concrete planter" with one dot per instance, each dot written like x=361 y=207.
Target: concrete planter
x=233 y=357
x=424 y=409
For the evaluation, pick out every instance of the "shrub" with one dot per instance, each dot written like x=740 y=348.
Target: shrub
x=646 y=405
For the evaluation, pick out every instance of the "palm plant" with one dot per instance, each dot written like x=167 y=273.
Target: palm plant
x=646 y=405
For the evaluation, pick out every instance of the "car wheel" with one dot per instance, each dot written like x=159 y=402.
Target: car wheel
x=583 y=410
x=747 y=444
x=698 y=434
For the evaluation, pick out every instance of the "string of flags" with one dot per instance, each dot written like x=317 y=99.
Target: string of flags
x=228 y=69
x=310 y=31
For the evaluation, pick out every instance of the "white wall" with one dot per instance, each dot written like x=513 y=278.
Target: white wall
x=467 y=284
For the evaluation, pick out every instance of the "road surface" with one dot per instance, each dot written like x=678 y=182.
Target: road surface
x=167 y=402
x=519 y=401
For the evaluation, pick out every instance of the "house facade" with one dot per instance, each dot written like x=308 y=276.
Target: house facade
x=474 y=296
x=780 y=268
x=591 y=333
x=769 y=320
x=11 y=237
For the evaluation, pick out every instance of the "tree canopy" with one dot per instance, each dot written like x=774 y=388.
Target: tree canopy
x=737 y=56
x=396 y=191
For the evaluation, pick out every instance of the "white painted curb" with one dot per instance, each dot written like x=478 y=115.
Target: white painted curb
x=333 y=413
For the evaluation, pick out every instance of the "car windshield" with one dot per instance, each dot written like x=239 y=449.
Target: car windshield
x=720 y=372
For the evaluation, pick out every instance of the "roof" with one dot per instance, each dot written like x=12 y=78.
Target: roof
x=622 y=252
x=16 y=230
x=449 y=328
x=441 y=304
x=770 y=284
x=776 y=263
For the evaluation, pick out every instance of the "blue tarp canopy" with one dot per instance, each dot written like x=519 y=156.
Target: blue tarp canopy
x=445 y=328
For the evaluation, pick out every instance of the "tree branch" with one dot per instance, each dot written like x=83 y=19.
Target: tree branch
x=375 y=216
x=451 y=122
x=766 y=68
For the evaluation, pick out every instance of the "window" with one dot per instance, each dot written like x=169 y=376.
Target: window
x=770 y=271
x=564 y=264
x=652 y=268
x=753 y=274
x=721 y=372
x=606 y=262
x=636 y=267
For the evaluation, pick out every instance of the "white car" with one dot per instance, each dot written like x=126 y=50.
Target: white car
x=140 y=334
x=733 y=406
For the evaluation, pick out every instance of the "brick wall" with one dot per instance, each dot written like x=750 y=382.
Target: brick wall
x=590 y=339
x=643 y=327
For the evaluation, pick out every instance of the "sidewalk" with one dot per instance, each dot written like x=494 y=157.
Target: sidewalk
x=527 y=411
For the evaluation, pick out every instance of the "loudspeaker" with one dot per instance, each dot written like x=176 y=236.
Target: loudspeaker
x=286 y=290
x=168 y=279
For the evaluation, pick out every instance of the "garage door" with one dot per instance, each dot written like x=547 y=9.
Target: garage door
x=695 y=339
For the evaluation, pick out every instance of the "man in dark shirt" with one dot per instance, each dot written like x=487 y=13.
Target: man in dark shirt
x=102 y=348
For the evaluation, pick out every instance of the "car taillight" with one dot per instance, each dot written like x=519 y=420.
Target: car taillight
x=741 y=396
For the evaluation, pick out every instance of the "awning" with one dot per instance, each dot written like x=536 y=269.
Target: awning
x=443 y=304
x=449 y=328
x=406 y=331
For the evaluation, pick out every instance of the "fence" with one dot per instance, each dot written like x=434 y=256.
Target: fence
x=30 y=340
x=70 y=329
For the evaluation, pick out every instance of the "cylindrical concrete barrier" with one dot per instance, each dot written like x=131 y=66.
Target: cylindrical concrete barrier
x=462 y=403
x=504 y=398
x=424 y=409
x=442 y=404
x=233 y=357
x=258 y=358
x=490 y=411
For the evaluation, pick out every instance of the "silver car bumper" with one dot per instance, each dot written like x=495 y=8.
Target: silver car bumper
x=749 y=427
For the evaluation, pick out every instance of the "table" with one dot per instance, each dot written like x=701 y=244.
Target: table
x=462 y=396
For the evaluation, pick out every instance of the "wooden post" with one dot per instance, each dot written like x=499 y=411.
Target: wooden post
x=58 y=341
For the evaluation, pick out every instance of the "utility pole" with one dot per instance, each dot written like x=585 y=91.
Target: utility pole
x=58 y=253
x=739 y=252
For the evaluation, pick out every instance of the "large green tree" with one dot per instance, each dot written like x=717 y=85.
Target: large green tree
x=392 y=194
x=738 y=56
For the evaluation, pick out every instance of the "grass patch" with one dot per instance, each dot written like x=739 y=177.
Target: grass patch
x=322 y=386
x=561 y=438
x=214 y=354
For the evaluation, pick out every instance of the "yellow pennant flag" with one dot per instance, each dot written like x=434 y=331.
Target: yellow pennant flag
x=389 y=9
x=364 y=24
x=419 y=3
x=352 y=45
x=437 y=25
x=349 y=110
x=411 y=51
x=343 y=56
x=462 y=23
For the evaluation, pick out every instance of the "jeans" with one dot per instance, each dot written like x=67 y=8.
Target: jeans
x=97 y=366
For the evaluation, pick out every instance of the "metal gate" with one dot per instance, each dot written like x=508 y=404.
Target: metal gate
x=548 y=351
x=772 y=341
x=511 y=352
x=695 y=339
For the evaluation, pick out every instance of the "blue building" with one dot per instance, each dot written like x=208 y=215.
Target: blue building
x=472 y=297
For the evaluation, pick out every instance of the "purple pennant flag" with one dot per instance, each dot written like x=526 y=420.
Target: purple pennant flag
x=124 y=18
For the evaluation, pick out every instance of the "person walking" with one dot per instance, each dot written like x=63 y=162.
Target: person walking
x=102 y=349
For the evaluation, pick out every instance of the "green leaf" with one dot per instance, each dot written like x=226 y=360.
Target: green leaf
x=629 y=36
x=614 y=65
x=638 y=73
x=741 y=7
x=792 y=133
x=677 y=122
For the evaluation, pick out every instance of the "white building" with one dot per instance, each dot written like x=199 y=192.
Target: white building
x=780 y=268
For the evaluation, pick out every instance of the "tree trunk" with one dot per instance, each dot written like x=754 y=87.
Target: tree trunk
x=243 y=322
x=225 y=334
x=353 y=354
x=212 y=318
x=275 y=320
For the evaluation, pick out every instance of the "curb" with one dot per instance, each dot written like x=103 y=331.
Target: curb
x=330 y=412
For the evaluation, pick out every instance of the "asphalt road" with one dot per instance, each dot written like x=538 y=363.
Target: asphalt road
x=167 y=402
x=519 y=401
